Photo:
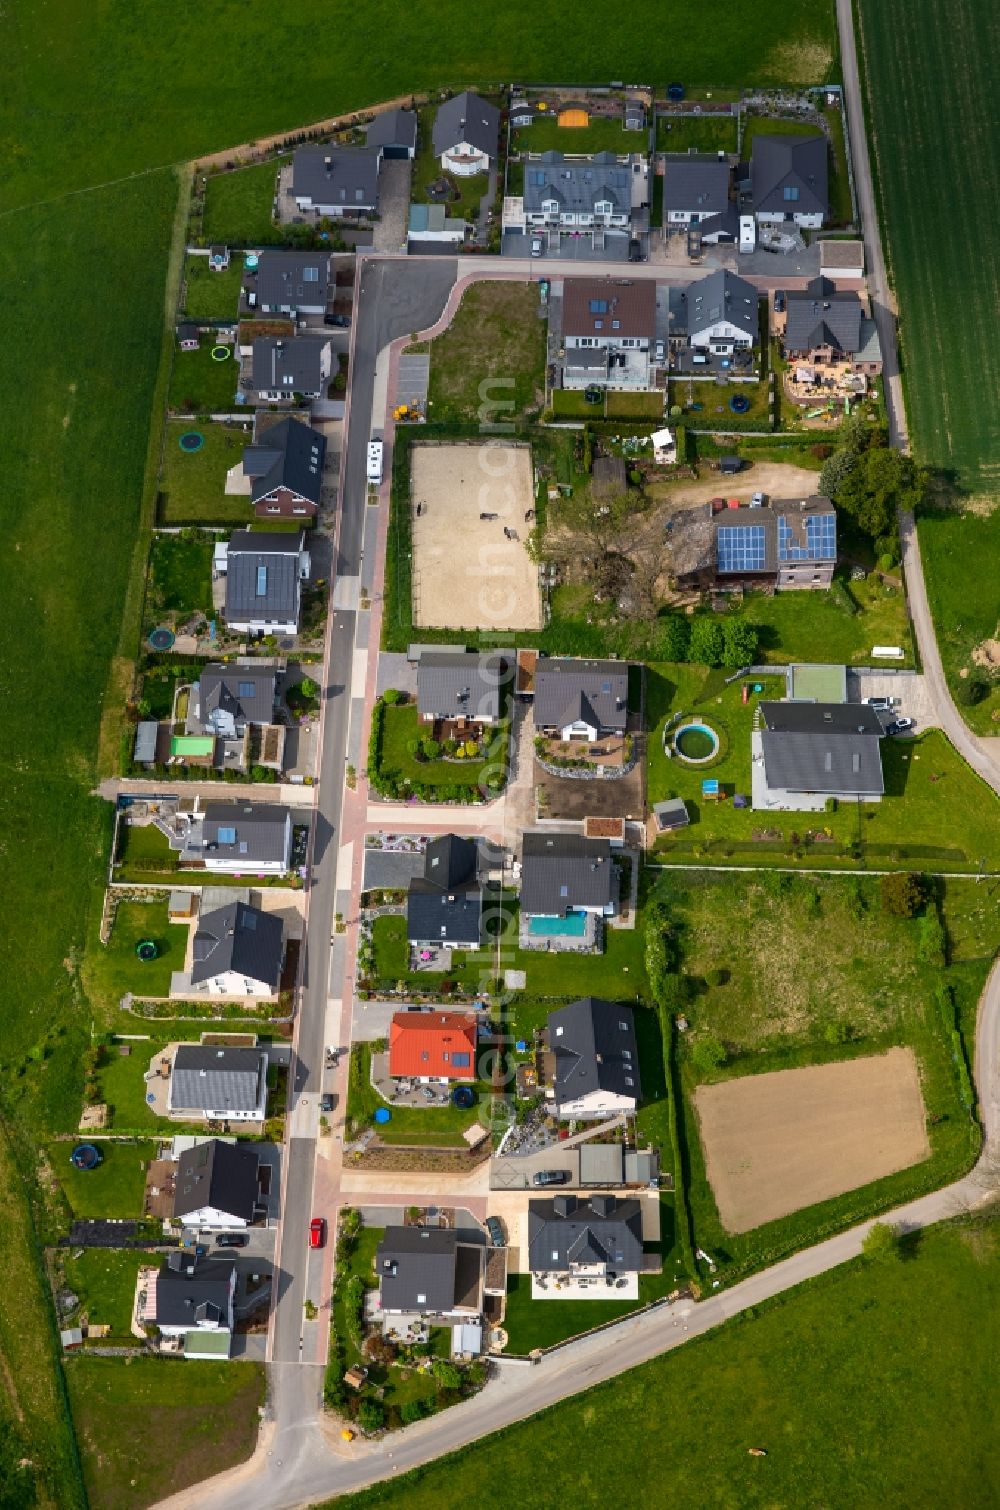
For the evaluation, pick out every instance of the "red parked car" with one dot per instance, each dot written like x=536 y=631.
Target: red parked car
x=317 y=1232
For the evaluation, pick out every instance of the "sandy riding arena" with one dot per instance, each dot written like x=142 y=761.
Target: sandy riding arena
x=777 y=1142
x=467 y=573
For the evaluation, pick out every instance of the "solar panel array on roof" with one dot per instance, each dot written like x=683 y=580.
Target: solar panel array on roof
x=741 y=548
x=821 y=539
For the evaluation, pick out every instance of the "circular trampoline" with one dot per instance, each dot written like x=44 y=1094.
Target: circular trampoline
x=382 y=1115
x=739 y=403
x=85 y=1156
x=696 y=743
x=220 y=353
x=162 y=638
x=147 y=950
x=191 y=440
x=463 y=1096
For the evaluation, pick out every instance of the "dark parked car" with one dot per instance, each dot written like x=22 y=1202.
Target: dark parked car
x=326 y=1101
x=342 y=322
x=550 y=1177
x=899 y=726
x=231 y=1240
x=494 y=1230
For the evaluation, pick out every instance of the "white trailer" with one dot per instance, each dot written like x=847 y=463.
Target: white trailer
x=374 y=461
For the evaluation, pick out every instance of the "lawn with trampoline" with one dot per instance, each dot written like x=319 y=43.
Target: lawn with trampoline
x=192 y=487
x=114 y=1189
x=117 y=967
x=202 y=384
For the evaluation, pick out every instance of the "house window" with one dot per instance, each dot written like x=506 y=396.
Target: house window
x=310 y=275
x=598 y=324
x=790 y=192
x=629 y=1080
x=616 y=324
x=623 y=1026
x=421 y=1300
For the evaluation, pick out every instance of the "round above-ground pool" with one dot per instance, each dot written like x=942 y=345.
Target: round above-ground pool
x=191 y=440
x=696 y=743
x=85 y=1156
x=383 y=1115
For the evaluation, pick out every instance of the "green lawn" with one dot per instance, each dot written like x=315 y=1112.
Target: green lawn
x=399 y=727
x=132 y=1419
x=819 y=626
x=104 y=1279
x=238 y=207
x=963 y=601
x=496 y=333
x=847 y=1383
x=533 y=1324
x=180 y=573
x=208 y=295
x=115 y=1188
x=706 y=133
x=431 y=1126
x=201 y=385
x=570 y=403
x=706 y=405
x=602 y=134
x=193 y=483
x=840 y=188
x=116 y=969
x=936 y=811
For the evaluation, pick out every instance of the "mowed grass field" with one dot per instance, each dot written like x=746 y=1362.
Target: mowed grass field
x=875 y=1385
x=931 y=83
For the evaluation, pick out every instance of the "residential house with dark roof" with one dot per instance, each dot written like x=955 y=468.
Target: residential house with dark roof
x=433 y=1272
x=240 y=838
x=570 y=195
x=608 y=328
x=285 y=369
x=563 y=873
x=585 y=1239
x=226 y=700
x=826 y=325
x=338 y=182
x=237 y=951
x=462 y=687
x=218 y=1084
x=433 y=1046
x=596 y=1059
x=787 y=543
x=191 y=1299
x=264 y=576
x=789 y=180
x=285 y=470
x=804 y=753
x=394 y=133
x=289 y=283
x=466 y=134
x=579 y=699
x=216 y=1185
x=721 y=314
x=695 y=188
x=444 y=906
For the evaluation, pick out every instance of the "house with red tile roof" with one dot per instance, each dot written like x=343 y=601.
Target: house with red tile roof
x=433 y=1046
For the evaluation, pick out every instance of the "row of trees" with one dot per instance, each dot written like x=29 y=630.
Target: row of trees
x=708 y=641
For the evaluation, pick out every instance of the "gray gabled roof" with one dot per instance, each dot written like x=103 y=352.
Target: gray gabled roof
x=792 y=162
x=450 y=861
x=258 y=830
x=393 y=128
x=576 y=186
x=563 y=871
x=262 y=577
x=568 y=1230
x=467 y=118
x=238 y=938
x=291 y=456
x=820 y=316
x=287 y=364
x=206 y=1078
x=446 y=902
x=698 y=183
x=342 y=176
x=246 y=692
x=222 y=1175
x=290 y=278
x=203 y=1294
x=595 y=1049
x=429 y=1269
x=461 y=684
x=568 y=690
x=822 y=747
x=723 y=296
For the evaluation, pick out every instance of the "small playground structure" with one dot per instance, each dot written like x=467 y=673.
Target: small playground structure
x=85 y=1156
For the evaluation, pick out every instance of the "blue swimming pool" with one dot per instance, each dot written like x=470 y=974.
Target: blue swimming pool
x=573 y=925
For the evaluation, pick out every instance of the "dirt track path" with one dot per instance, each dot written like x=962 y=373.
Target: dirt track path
x=778 y=479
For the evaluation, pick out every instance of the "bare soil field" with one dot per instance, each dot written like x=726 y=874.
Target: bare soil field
x=778 y=479
x=775 y=1143
x=467 y=574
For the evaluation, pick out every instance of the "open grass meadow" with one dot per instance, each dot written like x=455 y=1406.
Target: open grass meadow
x=960 y=552
x=496 y=339
x=151 y=1428
x=931 y=87
x=872 y=1385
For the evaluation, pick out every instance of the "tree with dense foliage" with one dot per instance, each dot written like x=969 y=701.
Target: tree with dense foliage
x=903 y=894
x=739 y=643
x=882 y=1243
x=674 y=638
x=709 y=1054
x=707 y=641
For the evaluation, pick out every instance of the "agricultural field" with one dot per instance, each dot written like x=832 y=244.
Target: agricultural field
x=931 y=87
x=839 y=1361
x=965 y=603
x=193 y=483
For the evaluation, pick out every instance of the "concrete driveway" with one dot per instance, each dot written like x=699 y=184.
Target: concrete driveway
x=912 y=691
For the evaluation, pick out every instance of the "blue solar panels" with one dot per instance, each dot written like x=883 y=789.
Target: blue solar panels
x=820 y=538
x=741 y=547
